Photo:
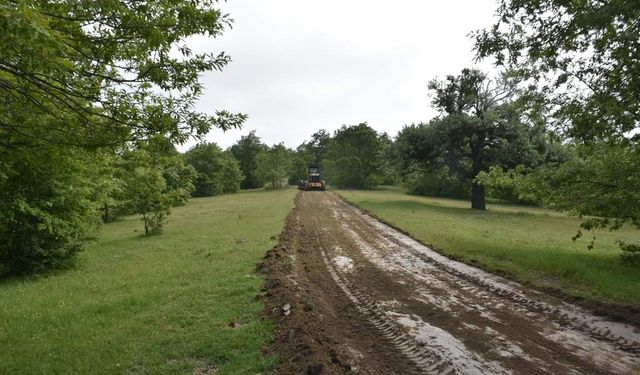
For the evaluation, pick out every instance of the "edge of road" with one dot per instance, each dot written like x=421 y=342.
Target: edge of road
x=623 y=313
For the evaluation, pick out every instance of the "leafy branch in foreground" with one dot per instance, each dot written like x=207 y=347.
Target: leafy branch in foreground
x=584 y=56
x=103 y=72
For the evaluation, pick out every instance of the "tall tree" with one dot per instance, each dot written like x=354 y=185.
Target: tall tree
x=319 y=146
x=301 y=158
x=217 y=171
x=312 y=152
x=96 y=73
x=47 y=208
x=483 y=125
x=353 y=157
x=153 y=179
x=80 y=76
x=478 y=121
x=246 y=151
x=583 y=56
x=273 y=164
x=583 y=59
x=388 y=158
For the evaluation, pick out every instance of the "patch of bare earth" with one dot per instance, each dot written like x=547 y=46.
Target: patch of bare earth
x=352 y=295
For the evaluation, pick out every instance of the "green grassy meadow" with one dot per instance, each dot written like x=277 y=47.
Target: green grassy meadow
x=532 y=245
x=179 y=303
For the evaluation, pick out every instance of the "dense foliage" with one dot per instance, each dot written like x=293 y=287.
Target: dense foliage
x=274 y=165
x=81 y=81
x=217 y=171
x=312 y=152
x=246 y=151
x=90 y=73
x=47 y=207
x=482 y=126
x=583 y=60
x=152 y=178
x=582 y=56
x=353 y=158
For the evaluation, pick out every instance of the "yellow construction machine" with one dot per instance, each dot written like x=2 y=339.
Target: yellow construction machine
x=313 y=180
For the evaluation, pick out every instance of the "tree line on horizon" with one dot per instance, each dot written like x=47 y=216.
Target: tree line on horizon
x=95 y=96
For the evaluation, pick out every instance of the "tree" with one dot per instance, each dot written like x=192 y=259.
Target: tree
x=312 y=152
x=154 y=178
x=246 y=151
x=478 y=120
x=178 y=176
x=582 y=56
x=145 y=196
x=583 y=60
x=599 y=184
x=428 y=167
x=318 y=146
x=217 y=171
x=301 y=158
x=92 y=74
x=273 y=164
x=48 y=208
x=389 y=168
x=353 y=157
x=483 y=125
x=82 y=77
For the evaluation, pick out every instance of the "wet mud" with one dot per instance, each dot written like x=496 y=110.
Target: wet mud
x=351 y=295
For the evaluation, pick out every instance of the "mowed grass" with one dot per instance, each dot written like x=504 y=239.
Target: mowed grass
x=532 y=245
x=183 y=302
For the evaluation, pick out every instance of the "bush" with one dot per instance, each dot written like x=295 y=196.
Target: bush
x=437 y=183
x=217 y=171
x=46 y=210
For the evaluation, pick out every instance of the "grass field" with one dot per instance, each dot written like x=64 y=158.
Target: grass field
x=532 y=245
x=179 y=303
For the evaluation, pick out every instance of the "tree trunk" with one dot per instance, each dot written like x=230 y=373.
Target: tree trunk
x=106 y=217
x=146 y=223
x=477 y=190
x=477 y=197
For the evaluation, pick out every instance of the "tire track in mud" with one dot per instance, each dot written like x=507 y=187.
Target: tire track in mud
x=597 y=328
x=622 y=337
x=321 y=331
x=428 y=362
x=366 y=299
x=620 y=357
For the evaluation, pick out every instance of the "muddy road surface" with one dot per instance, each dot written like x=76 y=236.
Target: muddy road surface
x=351 y=295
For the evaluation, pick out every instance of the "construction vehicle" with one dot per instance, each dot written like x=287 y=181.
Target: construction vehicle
x=313 y=180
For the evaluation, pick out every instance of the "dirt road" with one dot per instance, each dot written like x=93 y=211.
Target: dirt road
x=353 y=295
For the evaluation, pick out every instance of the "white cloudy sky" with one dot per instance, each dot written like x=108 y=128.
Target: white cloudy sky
x=299 y=65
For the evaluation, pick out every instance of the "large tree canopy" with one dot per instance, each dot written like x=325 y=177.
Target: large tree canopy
x=246 y=151
x=80 y=81
x=217 y=171
x=274 y=164
x=94 y=73
x=583 y=59
x=353 y=157
x=584 y=56
x=482 y=126
x=478 y=121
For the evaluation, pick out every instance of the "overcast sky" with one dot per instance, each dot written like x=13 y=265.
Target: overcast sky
x=299 y=65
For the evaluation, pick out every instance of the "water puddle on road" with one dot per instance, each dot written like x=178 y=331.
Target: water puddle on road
x=344 y=264
x=447 y=346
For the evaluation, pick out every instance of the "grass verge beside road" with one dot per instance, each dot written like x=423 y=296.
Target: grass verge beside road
x=531 y=245
x=179 y=303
